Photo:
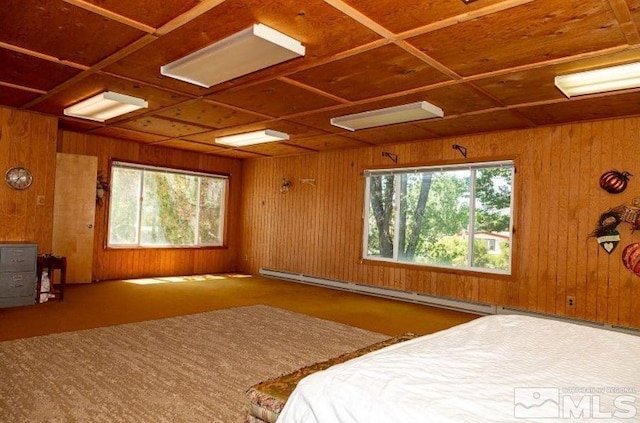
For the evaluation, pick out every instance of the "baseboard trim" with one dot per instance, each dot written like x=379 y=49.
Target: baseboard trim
x=396 y=294
x=431 y=300
x=616 y=328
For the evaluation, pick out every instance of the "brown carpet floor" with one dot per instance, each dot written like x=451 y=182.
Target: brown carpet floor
x=116 y=302
x=192 y=368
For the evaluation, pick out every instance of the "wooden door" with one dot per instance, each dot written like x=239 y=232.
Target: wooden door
x=74 y=214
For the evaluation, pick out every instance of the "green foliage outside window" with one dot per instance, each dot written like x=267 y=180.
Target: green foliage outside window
x=162 y=207
x=425 y=216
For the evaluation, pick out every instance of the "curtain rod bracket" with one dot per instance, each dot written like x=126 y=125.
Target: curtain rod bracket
x=390 y=156
x=461 y=149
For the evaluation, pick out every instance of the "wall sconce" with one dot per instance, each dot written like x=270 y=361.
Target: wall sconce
x=286 y=184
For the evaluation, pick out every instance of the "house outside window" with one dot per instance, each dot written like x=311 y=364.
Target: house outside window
x=161 y=207
x=454 y=216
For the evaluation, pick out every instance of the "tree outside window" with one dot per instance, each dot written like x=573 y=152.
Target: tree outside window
x=156 y=207
x=441 y=216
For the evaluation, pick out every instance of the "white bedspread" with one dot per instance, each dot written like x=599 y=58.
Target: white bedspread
x=503 y=368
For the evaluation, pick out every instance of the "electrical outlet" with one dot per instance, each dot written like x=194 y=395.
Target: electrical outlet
x=571 y=301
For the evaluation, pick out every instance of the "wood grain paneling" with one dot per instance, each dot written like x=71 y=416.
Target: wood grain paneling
x=130 y=263
x=27 y=140
x=316 y=229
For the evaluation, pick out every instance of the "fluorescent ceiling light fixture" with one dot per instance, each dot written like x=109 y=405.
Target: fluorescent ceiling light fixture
x=388 y=116
x=247 y=51
x=105 y=106
x=250 y=138
x=600 y=80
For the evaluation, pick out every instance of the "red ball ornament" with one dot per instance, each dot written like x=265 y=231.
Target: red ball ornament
x=614 y=182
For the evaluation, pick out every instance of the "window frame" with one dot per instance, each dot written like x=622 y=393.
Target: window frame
x=434 y=167
x=114 y=163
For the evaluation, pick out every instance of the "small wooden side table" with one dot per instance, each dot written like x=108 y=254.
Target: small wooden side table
x=51 y=263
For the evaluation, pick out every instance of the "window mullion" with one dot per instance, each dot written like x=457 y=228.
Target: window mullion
x=396 y=222
x=140 y=205
x=472 y=216
x=365 y=216
x=197 y=222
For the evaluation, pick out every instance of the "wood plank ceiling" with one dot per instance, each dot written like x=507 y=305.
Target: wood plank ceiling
x=488 y=64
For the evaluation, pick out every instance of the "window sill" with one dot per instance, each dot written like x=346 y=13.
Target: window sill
x=436 y=269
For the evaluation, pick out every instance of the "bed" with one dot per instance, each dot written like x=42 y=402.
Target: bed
x=494 y=369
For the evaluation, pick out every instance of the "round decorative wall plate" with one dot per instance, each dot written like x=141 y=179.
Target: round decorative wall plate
x=18 y=178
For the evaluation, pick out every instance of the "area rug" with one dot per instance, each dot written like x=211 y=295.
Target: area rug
x=193 y=368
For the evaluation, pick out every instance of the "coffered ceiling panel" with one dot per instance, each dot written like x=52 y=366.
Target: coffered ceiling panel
x=452 y=99
x=275 y=98
x=486 y=122
x=154 y=13
x=414 y=13
x=627 y=104
x=212 y=115
x=376 y=72
x=97 y=83
x=393 y=134
x=490 y=65
x=63 y=31
x=328 y=142
x=537 y=85
x=14 y=97
x=293 y=129
x=321 y=29
x=161 y=126
x=534 y=32
x=32 y=72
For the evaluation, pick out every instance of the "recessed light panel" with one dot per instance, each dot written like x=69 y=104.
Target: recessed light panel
x=105 y=106
x=247 y=51
x=388 y=116
x=251 y=138
x=600 y=80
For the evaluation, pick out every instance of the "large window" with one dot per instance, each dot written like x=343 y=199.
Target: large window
x=157 y=207
x=447 y=216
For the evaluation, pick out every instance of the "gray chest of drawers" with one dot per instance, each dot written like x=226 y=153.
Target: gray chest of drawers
x=18 y=278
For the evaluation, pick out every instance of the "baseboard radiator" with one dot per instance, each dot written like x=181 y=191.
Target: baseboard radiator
x=509 y=310
x=396 y=294
x=432 y=300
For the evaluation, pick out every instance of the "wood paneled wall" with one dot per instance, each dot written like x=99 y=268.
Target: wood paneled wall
x=27 y=140
x=129 y=263
x=316 y=230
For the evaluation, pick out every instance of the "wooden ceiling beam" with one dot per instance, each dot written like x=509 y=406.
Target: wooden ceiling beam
x=136 y=45
x=622 y=13
x=112 y=15
x=313 y=90
x=148 y=84
x=124 y=52
x=239 y=109
x=370 y=100
x=21 y=87
x=454 y=20
x=427 y=59
x=545 y=63
x=203 y=7
x=42 y=56
x=361 y=18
